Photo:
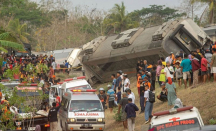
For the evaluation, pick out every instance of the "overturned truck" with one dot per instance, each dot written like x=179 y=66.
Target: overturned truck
x=122 y=51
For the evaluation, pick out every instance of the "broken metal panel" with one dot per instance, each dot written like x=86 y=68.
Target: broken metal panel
x=94 y=44
x=126 y=38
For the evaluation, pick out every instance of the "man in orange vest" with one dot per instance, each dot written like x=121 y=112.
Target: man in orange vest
x=212 y=46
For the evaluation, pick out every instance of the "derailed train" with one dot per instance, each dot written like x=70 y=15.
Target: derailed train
x=104 y=56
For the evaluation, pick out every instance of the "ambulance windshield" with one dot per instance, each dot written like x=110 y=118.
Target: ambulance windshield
x=85 y=105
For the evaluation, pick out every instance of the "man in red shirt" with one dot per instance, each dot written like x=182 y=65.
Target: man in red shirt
x=204 y=67
x=58 y=99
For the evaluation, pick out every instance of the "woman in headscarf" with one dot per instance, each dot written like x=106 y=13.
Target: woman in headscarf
x=171 y=91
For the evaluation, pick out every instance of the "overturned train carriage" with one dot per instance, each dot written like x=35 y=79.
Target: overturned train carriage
x=122 y=51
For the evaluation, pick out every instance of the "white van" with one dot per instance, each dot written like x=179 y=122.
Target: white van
x=177 y=119
x=81 y=110
x=74 y=83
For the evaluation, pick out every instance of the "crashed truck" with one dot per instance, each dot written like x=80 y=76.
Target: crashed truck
x=106 y=55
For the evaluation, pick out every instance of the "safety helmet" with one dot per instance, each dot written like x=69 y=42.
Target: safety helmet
x=101 y=89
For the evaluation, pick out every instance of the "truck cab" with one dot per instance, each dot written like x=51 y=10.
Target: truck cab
x=74 y=83
x=54 y=89
x=28 y=119
x=81 y=110
x=176 y=119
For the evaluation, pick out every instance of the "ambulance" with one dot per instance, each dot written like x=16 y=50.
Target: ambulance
x=176 y=119
x=62 y=87
x=74 y=83
x=81 y=110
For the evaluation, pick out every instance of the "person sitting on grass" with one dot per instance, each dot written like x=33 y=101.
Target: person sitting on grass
x=163 y=94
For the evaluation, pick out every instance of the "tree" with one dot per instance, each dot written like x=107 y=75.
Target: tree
x=211 y=4
x=9 y=41
x=119 y=19
x=18 y=30
x=154 y=15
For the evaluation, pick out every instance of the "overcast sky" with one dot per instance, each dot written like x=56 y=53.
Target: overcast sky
x=130 y=4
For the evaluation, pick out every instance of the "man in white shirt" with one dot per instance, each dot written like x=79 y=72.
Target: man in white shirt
x=148 y=105
x=54 y=65
x=169 y=71
x=131 y=95
x=169 y=58
x=126 y=82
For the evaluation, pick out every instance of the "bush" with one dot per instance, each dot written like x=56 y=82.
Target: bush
x=212 y=121
x=117 y=116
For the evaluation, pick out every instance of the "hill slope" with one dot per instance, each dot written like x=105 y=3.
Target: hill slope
x=202 y=97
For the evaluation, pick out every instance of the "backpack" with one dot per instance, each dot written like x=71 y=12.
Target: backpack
x=151 y=97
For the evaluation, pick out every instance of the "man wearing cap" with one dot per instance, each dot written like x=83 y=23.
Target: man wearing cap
x=102 y=96
x=110 y=98
x=123 y=102
x=131 y=109
x=126 y=82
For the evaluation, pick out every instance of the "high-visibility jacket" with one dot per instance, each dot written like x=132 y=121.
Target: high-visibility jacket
x=147 y=84
x=214 y=47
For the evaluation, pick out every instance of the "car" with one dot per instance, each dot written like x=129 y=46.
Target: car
x=176 y=119
x=81 y=110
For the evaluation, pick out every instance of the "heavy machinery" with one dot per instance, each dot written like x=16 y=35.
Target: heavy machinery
x=122 y=51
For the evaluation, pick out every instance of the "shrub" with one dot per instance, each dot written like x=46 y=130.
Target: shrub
x=212 y=121
x=117 y=116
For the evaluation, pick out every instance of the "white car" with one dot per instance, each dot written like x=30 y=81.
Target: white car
x=177 y=119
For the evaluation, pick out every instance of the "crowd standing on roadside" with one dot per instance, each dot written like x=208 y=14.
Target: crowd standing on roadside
x=189 y=70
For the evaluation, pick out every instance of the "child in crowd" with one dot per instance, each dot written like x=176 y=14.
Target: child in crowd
x=179 y=75
x=119 y=95
x=162 y=75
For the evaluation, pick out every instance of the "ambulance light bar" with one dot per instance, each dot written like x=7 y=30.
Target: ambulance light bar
x=84 y=90
x=173 y=111
x=28 y=84
x=75 y=78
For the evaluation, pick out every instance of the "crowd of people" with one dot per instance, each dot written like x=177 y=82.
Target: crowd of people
x=191 y=70
x=31 y=68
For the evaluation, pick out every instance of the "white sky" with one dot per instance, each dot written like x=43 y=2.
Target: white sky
x=130 y=4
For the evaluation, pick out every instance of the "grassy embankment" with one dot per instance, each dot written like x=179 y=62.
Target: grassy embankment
x=202 y=97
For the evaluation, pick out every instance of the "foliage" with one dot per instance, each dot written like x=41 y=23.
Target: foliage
x=18 y=30
x=117 y=116
x=118 y=20
x=212 y=5
x=212 y=121
x=9 y=41
x=9 y=73
x=154 y=15
x=25 y=11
